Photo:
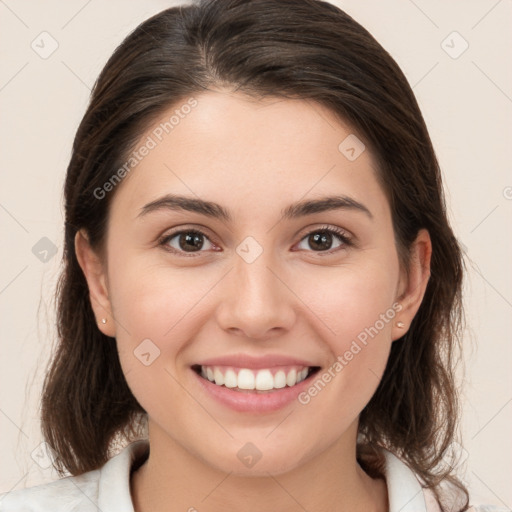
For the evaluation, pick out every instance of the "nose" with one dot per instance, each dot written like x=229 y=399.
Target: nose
x=256 y=301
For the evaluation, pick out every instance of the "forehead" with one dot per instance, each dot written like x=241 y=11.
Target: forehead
x=227 y=146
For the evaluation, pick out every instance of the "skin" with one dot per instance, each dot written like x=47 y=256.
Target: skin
x=254 y=158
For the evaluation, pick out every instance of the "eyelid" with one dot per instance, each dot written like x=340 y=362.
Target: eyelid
x=326 y=227
x=198 y=228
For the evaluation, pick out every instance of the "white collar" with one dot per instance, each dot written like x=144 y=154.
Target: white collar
x=404 y=490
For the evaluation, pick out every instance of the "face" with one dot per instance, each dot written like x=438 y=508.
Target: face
x=317 y=288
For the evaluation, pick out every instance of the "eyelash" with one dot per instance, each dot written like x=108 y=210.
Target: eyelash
x=340 y=233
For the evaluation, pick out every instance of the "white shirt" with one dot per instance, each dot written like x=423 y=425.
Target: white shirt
x=108 y=489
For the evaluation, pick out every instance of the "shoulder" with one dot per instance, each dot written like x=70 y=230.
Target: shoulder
x=407 y=494
x=69 y=493
x=106 y=489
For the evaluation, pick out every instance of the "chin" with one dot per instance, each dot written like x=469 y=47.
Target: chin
x=250 y=461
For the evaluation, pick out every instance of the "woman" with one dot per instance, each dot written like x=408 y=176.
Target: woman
x=261 y=292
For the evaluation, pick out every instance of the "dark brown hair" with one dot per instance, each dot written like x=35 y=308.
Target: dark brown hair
x=300 y=49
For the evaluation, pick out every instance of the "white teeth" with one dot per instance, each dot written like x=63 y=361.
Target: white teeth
x=291 y=378
x=219 y=378
x=280 y=379
x=230 y=380
x=264 y=380
x=245 y=379
x=261 y=380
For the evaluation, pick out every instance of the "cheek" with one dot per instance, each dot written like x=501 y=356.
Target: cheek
x=156 y=310
x=349 y=300
x=356 y=313
x=151 y=299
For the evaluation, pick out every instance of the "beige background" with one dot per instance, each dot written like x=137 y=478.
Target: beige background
x=467 y=104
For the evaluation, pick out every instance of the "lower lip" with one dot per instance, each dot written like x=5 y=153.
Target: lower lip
x=253 y=402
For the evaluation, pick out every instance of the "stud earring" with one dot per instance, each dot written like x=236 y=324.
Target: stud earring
x=103 y=320
x=400 y=325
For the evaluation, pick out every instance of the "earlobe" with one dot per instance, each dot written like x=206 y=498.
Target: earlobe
x=415 y=284
x=95 y=275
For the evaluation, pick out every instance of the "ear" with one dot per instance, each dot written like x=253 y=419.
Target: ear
x=95 y=273
x=412 y=287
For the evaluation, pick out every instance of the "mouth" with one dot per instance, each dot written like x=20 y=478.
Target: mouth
x=255 y=381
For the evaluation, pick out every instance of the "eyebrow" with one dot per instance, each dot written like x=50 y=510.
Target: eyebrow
x=216 y=211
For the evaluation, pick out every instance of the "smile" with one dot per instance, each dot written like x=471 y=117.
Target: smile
x=252 y=380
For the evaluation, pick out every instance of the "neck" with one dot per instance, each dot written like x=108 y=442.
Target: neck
x=173 y=479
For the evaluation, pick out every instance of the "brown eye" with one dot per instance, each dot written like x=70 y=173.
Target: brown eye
x=321 y=240
x=185 y=241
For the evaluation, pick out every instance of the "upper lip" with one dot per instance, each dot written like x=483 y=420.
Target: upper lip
x=247 y=361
